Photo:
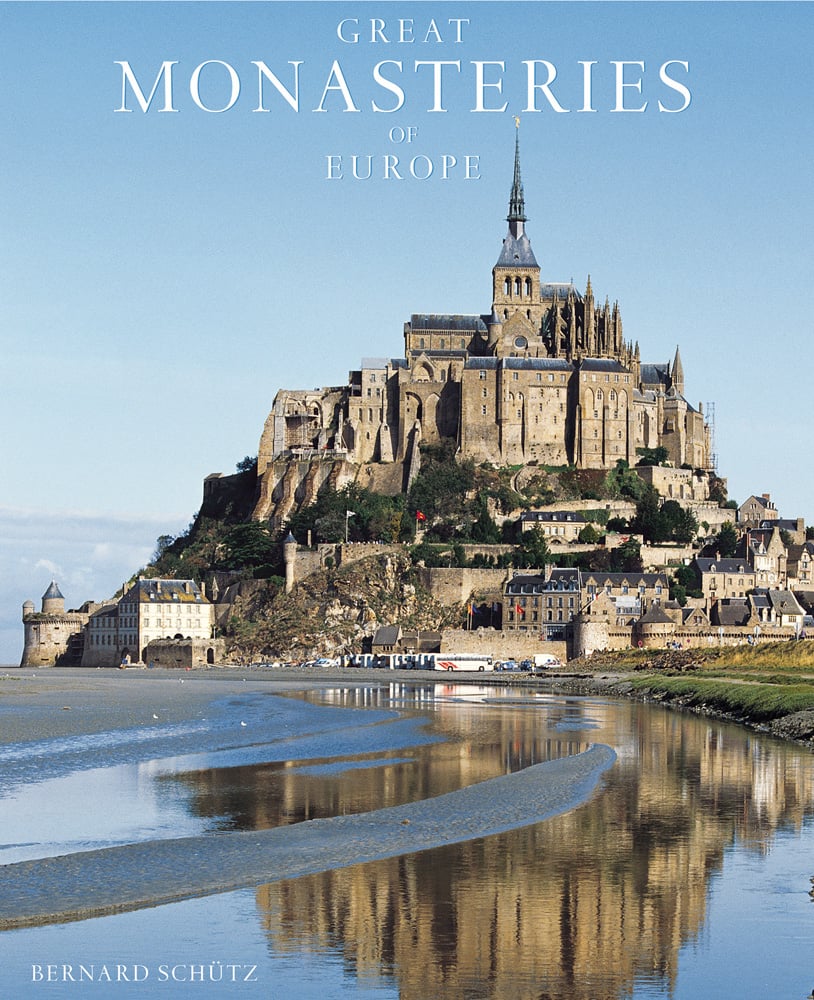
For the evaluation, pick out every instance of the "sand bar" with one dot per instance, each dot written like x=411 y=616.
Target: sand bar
x=91 y=883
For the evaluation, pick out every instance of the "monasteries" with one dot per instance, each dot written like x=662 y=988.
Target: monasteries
x=545 y=377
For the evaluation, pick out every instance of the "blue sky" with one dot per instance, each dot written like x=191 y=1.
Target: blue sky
x=163 y=274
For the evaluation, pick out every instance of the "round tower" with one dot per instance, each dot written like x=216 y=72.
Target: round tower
x=289 y=557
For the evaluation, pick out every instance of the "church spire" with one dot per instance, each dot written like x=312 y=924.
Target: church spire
x=517 y=207
x=517 y=250
x=677 y=374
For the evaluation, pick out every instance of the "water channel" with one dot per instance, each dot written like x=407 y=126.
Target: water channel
x=685 y=874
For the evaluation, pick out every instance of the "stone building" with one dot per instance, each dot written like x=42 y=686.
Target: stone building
x=544 y=375
x=756 y=509
x=52 y=635
x=557 y=526
x=151 y=610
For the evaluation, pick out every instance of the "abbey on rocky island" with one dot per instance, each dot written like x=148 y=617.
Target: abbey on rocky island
x=545 y=377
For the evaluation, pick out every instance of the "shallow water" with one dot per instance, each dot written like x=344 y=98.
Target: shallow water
x=686 y=875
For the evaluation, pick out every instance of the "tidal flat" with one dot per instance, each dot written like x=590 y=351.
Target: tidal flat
x=58 y=724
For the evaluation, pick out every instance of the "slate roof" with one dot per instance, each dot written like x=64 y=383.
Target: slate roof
x=53 y=592
x=784 y=602
x=517 y=252
x=387 y=635
x=556 y=516
x=520 y=364
x=561 y=288
x=561 y=580
x=706 y=565
x=602 y=365
x=159 y=591
x=734 y=611
x=655 y=374
x=452 y=323
x=632 y=579
x=655 y=615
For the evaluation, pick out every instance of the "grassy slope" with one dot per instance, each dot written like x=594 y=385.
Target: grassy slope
x=758 y=684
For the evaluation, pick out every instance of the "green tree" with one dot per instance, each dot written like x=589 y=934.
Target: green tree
x=589 y=535
x=652 y=456
x=532 y=549
x=680 y=523
x=439 y=491
x=726 y=541
x=648 y=521
x=627 y=557
x=484 y=529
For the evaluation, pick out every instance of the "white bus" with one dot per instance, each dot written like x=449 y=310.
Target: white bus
x=460 y=661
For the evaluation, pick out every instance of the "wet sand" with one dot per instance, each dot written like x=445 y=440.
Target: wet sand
x=36 y=705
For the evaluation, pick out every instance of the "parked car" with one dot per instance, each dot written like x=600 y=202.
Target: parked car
x=507 y=665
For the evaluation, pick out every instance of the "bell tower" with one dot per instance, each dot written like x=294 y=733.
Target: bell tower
x=516 y=275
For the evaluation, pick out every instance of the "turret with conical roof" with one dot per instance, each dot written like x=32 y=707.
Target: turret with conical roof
x=53 y=603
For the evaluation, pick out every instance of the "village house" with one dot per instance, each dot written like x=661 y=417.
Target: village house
x=151 y=610
x=723 y=578
x=756 y=509
x=557 y=526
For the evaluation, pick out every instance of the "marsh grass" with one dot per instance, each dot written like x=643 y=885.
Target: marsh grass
x=759 y=702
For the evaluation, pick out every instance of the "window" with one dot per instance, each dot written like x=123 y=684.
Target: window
x=483 y=410
x=481 y=374
x=484 y=392
x=372 y=378
x=515 y=376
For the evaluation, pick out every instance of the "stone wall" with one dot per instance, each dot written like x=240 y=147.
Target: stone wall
x=184 y=654
x=501 y=645
x=456 y=586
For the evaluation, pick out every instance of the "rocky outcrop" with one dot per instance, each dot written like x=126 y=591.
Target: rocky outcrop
x=332 y=611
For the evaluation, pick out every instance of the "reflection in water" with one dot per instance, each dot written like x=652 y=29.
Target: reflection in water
x=582 y=906
x=480 y=740
x=631 y=895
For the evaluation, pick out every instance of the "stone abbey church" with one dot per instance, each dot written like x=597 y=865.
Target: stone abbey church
x=544 y=377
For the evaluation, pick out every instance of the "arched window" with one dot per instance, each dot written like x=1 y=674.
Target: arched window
x=507 y=286
x=517 y=286
x=528 y=287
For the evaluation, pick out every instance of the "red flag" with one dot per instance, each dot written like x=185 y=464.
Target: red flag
x=519 y=610
x=419 y=516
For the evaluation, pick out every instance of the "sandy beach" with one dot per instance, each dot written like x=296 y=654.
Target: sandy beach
x=54 y=721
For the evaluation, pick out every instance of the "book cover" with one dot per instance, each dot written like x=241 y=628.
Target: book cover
x=203 y=203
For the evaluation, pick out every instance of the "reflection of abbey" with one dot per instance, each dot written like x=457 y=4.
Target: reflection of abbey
x=546 y=376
